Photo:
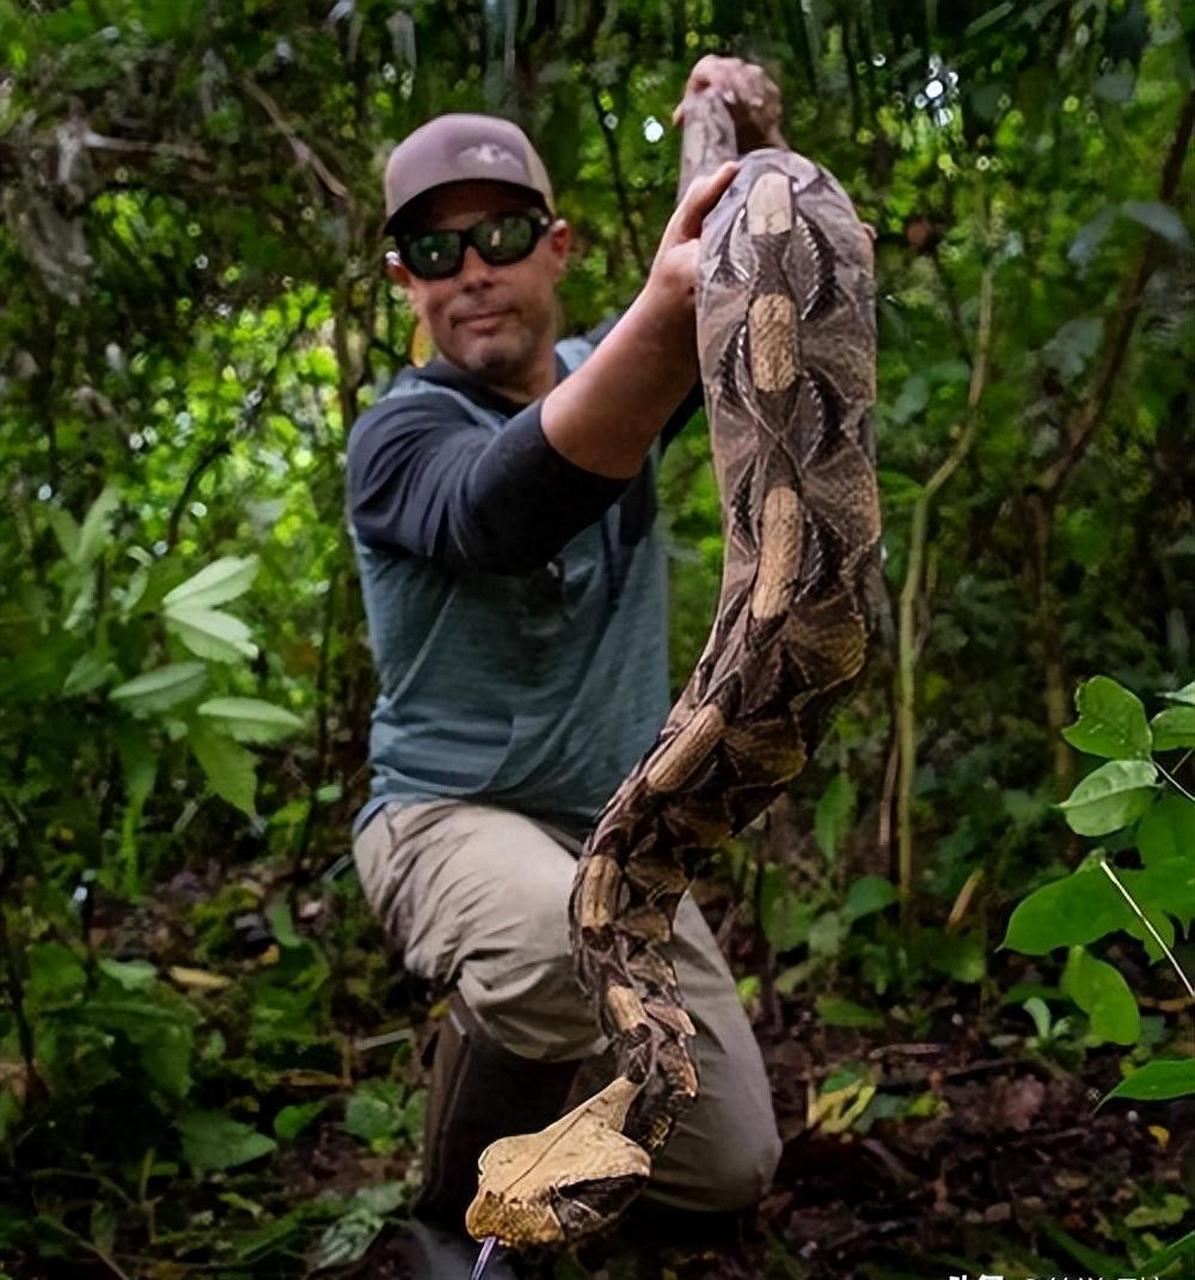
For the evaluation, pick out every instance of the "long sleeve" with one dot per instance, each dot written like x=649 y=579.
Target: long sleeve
x=424 y=480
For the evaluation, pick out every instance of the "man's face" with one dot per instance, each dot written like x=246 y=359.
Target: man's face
x=492 y=322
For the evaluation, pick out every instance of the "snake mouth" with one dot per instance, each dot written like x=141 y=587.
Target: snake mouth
x=584 y=1207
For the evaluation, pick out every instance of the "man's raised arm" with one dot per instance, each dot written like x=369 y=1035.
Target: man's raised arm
x=606 y=415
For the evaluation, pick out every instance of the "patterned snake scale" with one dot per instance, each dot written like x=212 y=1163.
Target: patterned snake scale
x=786 y=336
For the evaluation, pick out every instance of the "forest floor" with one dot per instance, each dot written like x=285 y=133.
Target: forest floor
x=976 y=1161
x=972 y=1148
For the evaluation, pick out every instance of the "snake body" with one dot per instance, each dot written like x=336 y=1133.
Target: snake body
x=786 y=337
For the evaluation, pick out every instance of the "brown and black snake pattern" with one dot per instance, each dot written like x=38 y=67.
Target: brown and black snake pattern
x=786 y=336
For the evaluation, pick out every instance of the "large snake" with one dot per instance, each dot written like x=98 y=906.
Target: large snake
x=786 y=338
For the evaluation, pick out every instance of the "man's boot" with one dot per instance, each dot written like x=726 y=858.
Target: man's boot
x=479 y=1092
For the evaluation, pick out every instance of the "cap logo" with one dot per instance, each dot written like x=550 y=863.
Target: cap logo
x=489 y=153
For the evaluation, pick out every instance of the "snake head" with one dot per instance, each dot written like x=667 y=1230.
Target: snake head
x=564 y=1183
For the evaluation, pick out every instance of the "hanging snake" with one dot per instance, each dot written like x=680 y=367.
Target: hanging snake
x=786 y=343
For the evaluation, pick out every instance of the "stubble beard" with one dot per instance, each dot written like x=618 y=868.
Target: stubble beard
x=505 y=359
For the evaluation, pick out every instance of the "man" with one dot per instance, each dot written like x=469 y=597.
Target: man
x=501 y=501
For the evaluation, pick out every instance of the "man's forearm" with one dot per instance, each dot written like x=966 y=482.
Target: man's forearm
x=605 y=416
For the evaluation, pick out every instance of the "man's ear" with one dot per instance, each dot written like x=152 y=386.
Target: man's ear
x=560 y=239
x=396 y=272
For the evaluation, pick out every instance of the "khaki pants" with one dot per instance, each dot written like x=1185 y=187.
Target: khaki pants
x=478 y=896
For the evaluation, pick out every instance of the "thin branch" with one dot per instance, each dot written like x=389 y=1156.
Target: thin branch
x=1086 y=418
x=1157 y=937
x=620 y=189
x=321 y=702
x=175 y=150
x=1174 y=782
x=206 y=459
x=303 y=153
x=907 y=641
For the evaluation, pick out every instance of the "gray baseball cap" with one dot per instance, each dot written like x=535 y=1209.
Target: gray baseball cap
x=460 y=147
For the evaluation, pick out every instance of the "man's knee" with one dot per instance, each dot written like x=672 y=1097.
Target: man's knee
x=521 y=980
x=745 y=1172
x=734 y=1171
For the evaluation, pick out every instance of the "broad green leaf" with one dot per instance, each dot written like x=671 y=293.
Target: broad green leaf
x=66 y=530
x=230 y=769
x=282 y=923
x=87 y=675
x=1165 y=887
x=1167 y=830
x=784 y=917
x=291 y=1121
x=132 y=975
x=161 y=1028
x=1076 y=910
x=162 y=688
x=1186 y=694
x=347 y=1240
x=913 y=397
x=381 y=1197
x=866 y=895
x=1157 y=1080
x=375 y=1111
x=220 y=582
x=250 y=719
x=1111 y=722
x=996 y=14
x=1090 y=236
x=834 y=814
x=81 y=615
x=1114 y=795
x=1174 y=728
x=838 y=1012
x=211 y=633
x=898 y=489
x=827 y=934
x=94 y=529
x=212 y=1140
x=961 y=956
x=56 y=977
x=1039 y=1011
x=1099 y=989
x=1160 y=219
x=1171 y=1211
x=1071 y=349
x=139 y=765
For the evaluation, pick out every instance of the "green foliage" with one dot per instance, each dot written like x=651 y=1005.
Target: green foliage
x=194 y=313
x=1161 y=1078
x=1111 y=723
x=1099 y=898
x=834 y=815
x=382 y=1111
x=211 y=1140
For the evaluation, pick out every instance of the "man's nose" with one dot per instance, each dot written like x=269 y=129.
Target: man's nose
x=475 y=271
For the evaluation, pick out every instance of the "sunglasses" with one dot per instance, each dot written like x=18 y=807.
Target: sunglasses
x=500 y=239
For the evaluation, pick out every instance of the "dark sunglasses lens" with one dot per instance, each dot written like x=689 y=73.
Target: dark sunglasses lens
x=434 y=254
x=505 y=239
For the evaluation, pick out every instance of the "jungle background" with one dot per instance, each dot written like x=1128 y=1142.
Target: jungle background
x=208 y=1062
